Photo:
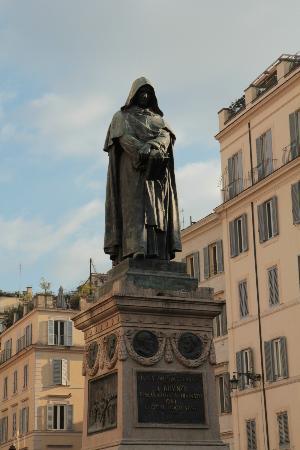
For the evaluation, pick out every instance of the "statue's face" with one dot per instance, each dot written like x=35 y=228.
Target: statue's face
x=144 y=96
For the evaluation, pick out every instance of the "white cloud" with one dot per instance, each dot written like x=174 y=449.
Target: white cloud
x=31 y=239
x=198 y=191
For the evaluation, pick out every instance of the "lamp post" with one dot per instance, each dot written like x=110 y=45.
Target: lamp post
x=253 y=377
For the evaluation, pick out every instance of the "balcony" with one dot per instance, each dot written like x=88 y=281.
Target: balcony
x=258 y=173
x=236 y=107
x=265 y=85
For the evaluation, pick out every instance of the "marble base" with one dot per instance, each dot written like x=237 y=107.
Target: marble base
x=149 y=361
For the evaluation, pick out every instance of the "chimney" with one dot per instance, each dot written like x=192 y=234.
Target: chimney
x=29 y=291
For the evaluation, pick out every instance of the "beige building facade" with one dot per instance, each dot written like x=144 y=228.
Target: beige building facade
x=41 y=382
x=259 y=224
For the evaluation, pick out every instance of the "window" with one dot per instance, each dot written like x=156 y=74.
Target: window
x=14 y=424
x=213 y=259
x=264 y=155
x=3 y=429
x=5 y=381
x=295 y=190
x=283 y=430
x=192 y=265
x=28 y=335
x=24 y=420
x=243 y=295
x=295 y=133
x=268 y=219
x=15 y=386
x=25 y=376
x=251 y=434
x=273 y=286
x=220 y=323
x=238 y=235
x=60 y=332
x=276 y=361
x=59 y=417
x=224 y=392
x=235 y=175
x=60 y=371
x=244 y=365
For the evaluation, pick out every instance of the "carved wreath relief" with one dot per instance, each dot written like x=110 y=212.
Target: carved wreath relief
x=148 y=347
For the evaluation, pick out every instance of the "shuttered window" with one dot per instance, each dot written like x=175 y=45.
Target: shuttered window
x=251 y=434
x=264 y=155
x=238 y=233
x=224 y=392
x=3 y=429
x=14 y=424
x=243 y=297
x=235 y=175
x=193 y=265
x=28 y=335
x=294 y=120
x=273 y=286
x=276 y=359
x=60 y=371
x=15 y=386
x=283 y=430
x=244 y=365
x=220 y=323
x=24 y=420
x=295 y=192
x=59 y=417
x=213 y=259
x=5 y=381
x=25 y=376
x=268 y=219
x=60 y=332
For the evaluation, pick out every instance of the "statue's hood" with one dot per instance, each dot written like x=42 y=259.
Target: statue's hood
x=136 y=85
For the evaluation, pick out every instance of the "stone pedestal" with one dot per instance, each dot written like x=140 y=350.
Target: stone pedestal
x=148 y=361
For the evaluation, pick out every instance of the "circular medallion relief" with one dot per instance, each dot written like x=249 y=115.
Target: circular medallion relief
x=92 y=354
x=111 y=346
x=145 y=343
x=190 y=345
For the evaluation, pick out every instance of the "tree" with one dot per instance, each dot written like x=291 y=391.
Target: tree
x=45 y=285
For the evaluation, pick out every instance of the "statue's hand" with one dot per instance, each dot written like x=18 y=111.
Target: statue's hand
x=156 y=153
x=145 y=152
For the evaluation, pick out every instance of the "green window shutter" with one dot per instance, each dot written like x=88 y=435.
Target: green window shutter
x=240 y=369
x=50 y=417
x=57 y=371
x=68 y=330
x=273 y=286
x=196 y=265
x=69 y=417
x=251 y=435
x=283 y=429
x=206 y=262
x=224 y=320
x=220 y=258
x=284 y=357
x=227 y=397
x=269 y=361
x=275 y=216
x=243 y=294
x=245 y=232
x=295 y=191
x=233 y=239
x=50 y=332
x=294 y=134
x=259 y=158
x=268 y=154
x=262 y=225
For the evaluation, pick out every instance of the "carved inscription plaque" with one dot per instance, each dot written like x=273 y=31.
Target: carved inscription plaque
x=165 y=397
x=102 y=404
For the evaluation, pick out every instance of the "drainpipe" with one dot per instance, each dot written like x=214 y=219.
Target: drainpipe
x=263 y=377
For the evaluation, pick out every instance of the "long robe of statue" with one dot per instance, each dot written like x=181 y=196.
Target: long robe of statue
x=141 y=211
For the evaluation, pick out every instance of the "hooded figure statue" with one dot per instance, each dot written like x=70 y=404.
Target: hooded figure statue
x=141 y=210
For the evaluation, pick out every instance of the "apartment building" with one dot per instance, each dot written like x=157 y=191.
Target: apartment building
x=41 y=383
x=202 y=244
x=259 y=225
x=7 y=300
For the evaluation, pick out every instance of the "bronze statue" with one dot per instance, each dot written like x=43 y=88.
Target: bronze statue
x=141 y=200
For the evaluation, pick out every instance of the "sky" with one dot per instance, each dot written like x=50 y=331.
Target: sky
x=66 y=66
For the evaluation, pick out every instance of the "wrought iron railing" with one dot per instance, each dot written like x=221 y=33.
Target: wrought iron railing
x=266 y=84
x=236 y=107
x=258 y=173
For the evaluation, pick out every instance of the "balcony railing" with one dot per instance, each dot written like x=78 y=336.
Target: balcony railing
x=267 y=166
x=236 y=107
x=266 y=84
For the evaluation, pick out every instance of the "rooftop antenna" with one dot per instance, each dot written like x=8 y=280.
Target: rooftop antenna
x=182 y=217
x=20 y=279
x=91 y=276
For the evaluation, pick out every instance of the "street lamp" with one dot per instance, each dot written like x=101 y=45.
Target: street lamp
x=253 y=377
